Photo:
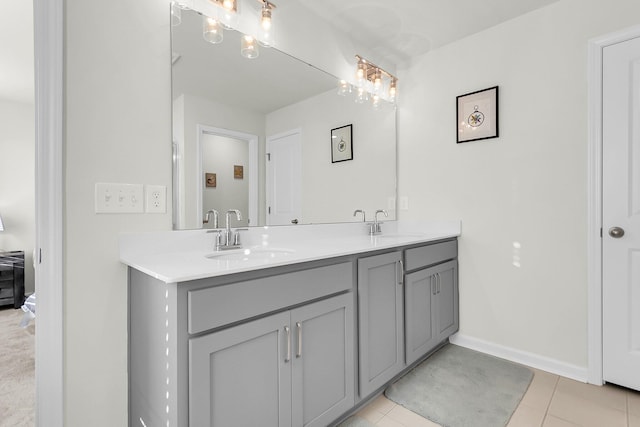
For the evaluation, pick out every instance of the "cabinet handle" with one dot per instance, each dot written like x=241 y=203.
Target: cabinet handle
x=299 y=326
x=288 y=332
x=438 y=281
x=400 y=276
x=434 y=286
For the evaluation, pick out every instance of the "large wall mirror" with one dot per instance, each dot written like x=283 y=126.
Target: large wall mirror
x=256 y=135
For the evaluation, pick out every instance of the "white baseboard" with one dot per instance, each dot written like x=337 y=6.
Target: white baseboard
x=553 y=366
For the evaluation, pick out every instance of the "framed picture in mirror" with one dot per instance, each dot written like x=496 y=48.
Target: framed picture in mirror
x=342 y=144
x=210 y=180
x=477 y=115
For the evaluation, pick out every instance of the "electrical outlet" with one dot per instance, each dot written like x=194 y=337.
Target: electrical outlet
x=119 y=198
x=404 y=203
x=156 y=198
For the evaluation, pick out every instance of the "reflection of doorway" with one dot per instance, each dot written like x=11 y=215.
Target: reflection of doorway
x=218 y=151
x=224 y=161
x=284 y=178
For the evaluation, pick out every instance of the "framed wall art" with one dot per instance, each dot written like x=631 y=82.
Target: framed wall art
x=238 y=172
x=477 y=115
x=210 y=180
x=341 y=144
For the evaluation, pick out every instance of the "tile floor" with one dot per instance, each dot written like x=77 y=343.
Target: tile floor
x=550 y=401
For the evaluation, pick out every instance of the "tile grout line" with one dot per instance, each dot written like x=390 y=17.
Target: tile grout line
x=546 y=411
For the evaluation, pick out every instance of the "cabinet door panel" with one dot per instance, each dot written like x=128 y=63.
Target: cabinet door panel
x=420 y=330
x=239 y=368
x=380 y=311
x=323 y=361
x=447 y=299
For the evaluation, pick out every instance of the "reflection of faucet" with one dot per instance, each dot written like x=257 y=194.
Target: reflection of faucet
x=215 y=217
x=230 y=238
x=357 y=211
x=374 y=227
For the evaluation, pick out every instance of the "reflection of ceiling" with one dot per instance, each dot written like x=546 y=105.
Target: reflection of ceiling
x=397 y=31
x=219 y=72
x=16 y=51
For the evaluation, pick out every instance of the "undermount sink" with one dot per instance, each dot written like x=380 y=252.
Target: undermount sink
x=251 y=254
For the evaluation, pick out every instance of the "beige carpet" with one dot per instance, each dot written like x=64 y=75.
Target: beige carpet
x=17 y=370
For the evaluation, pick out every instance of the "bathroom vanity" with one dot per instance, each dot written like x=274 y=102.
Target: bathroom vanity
x=296 y=329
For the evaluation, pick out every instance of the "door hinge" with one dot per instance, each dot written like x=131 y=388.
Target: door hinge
x=601 y=232
x=268 y=157
x=269 y=210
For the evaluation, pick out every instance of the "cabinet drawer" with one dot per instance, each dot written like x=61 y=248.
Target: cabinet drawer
x=221 y=305
x=430 y=254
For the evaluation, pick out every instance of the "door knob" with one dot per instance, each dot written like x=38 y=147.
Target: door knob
x=294 y=221
x=616 y=232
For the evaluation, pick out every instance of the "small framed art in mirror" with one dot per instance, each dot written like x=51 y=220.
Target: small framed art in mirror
x=341 y=144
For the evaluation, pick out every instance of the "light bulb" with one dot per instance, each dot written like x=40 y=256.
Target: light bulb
x=376 y=101
x=265 y=21
x=249 y=47
x=377 y=80
x=393 y=90
x=212 y=30
x=229 y=4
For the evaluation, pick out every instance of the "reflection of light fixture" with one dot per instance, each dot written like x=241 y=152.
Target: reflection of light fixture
x=266 y=29
x=211 y=30
x=371 y=78
x=1 y=224
x=249 y=47
x=228 y=13
x=344 y=88
x=362 y=95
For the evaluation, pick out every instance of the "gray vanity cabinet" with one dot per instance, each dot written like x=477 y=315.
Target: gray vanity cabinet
x=380 y=316
x=290 y=369
x=431 y=298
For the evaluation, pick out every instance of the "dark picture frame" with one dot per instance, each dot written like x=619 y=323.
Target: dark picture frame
x=477 y=115
x=342 y=144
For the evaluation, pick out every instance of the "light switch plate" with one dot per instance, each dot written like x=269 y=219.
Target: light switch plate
x=119 y=198
x=404 y=203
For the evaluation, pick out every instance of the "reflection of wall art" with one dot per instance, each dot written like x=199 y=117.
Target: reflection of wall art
x=238 y=172
x=477 y=115
x=210 y=179
x=341 y=144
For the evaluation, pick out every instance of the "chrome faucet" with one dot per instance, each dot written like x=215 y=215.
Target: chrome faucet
x=374 y=227
x=228 y=238
x=357 y=211
x=207 y=217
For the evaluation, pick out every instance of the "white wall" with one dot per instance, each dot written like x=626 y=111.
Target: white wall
x=118 y=129
x=332 y=191
x=17 y=182
x=521 y=197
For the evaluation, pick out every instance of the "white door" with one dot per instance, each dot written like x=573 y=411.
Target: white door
x=621 y=214
x=284 y=178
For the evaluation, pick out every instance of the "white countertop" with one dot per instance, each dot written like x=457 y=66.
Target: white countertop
x=178 y=256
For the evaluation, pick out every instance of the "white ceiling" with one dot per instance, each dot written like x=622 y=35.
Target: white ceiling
x=16 y=51
x=399 y=30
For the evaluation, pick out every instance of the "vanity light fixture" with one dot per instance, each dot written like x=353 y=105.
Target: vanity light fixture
x=344 y=88
x=266 y=29
x=249 y=47
x=379 y=82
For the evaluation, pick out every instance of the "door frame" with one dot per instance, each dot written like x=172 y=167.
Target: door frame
x=252 y=140
x=594 y=198
x=49 y=259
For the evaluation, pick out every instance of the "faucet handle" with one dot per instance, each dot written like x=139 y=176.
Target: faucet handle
x=236 y=236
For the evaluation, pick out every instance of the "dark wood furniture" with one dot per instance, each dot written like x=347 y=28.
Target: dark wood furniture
x=12 y=278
